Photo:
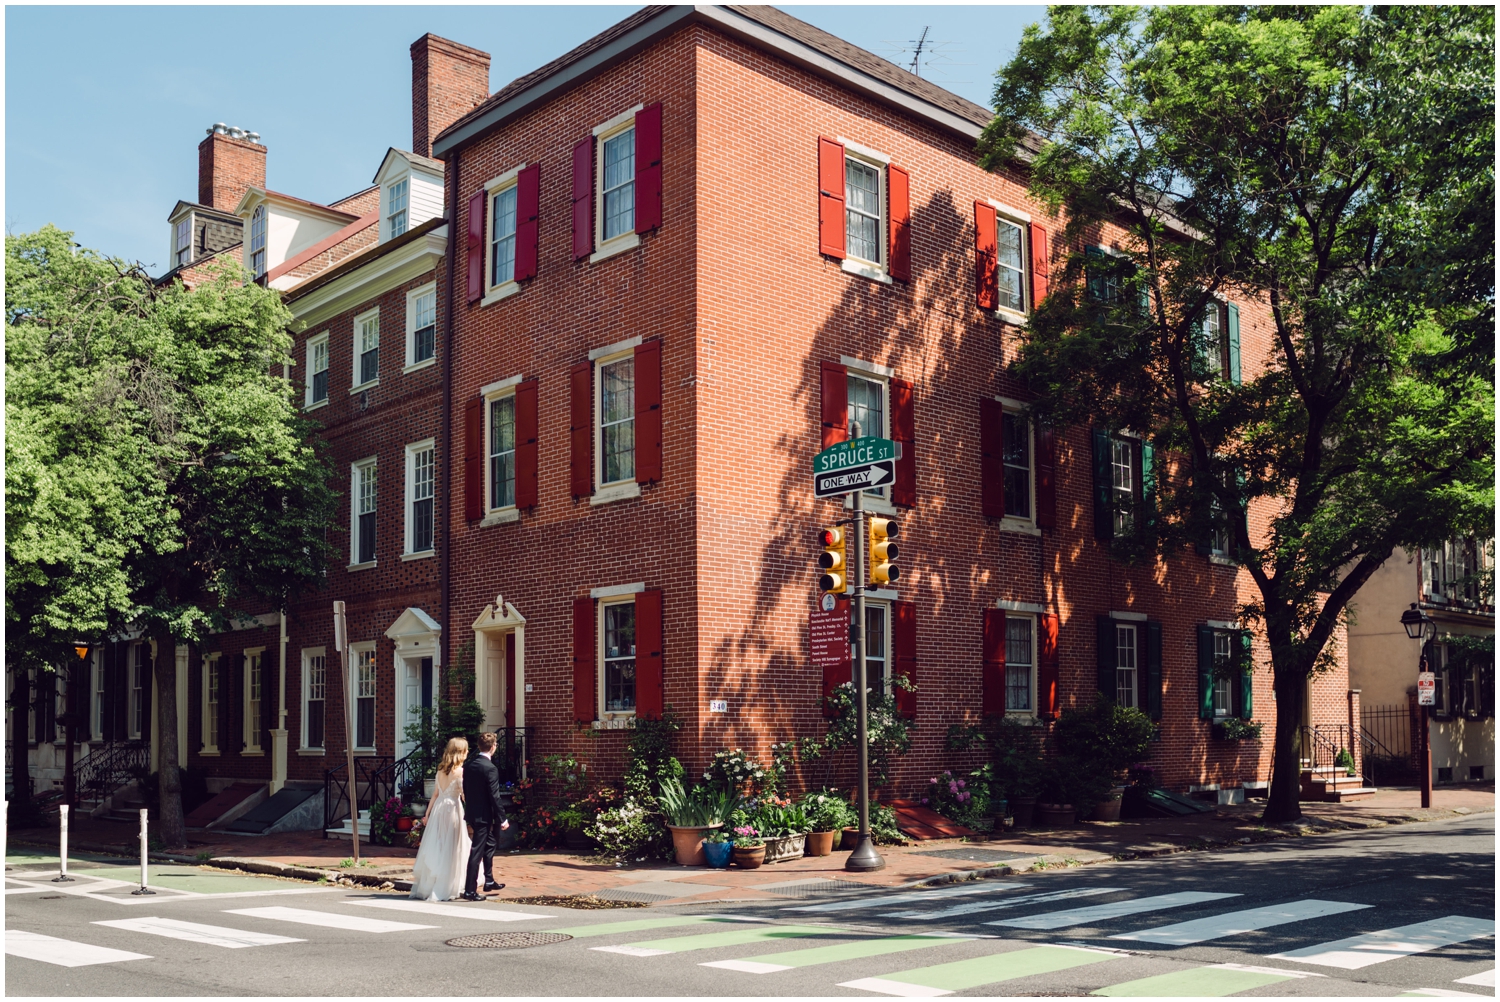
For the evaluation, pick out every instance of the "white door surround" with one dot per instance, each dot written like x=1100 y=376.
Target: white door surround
x=415 y=635
x=490 y=629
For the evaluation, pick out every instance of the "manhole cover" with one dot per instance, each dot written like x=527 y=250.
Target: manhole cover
x=509 y=940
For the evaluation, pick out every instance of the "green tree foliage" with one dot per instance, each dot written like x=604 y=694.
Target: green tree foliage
x=158 y=471
x=1333 y=163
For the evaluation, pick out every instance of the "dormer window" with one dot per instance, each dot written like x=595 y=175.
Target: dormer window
x=397 y=196
x=182 y=242
x=258 y=241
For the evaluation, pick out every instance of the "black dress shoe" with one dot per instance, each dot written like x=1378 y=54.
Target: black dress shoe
x=491 y=888
x=470 y=896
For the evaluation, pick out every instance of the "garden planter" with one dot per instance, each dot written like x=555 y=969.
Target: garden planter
x=576 y=839
x=1109 y=808
x=717 y=854
x=850 y=840
x=1055 y=815
x=687 y=843
x=1023 y=810
x=820 y=843
x=786 y=847
x=403 y=824
x=748 y=859
x=429 y=786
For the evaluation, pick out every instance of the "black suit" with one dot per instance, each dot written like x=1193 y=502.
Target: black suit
x=483 y=810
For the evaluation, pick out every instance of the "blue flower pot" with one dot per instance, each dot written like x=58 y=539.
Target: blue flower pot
x=718 y=854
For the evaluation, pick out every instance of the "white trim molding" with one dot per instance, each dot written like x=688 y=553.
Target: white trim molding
x=614 y=349
x=873 y=368
x=1028 y=607
x=1129 y=617
x=615 y=591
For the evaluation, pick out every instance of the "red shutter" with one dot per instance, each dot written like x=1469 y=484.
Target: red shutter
x=992 y=675
x=650 y=699
x=528 y=209
x=900 y=195
x=1039 y=267
x=473 y=464
x=580 y=429
x=837 y=674
x=648 y=412
x=835 y=393
x=648 y=168
x=526 y=444
x=1046 y=476
x=991 y=458
x=904 y=646
x=585 y=705
x=903 y=431
x=830 y=198
x=986 y=281
x=583 y=198
x=1046 y=667
x=476 y=246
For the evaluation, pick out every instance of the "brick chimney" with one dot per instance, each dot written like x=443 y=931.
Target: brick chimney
x=226 y=167
x=448 y=81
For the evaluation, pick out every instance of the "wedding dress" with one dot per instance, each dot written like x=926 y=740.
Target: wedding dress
x=443 y=856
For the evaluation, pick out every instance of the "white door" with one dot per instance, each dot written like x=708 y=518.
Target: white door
x=414 y=692
x=494 y=677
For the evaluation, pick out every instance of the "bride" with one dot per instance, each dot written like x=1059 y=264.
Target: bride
x=444 y=854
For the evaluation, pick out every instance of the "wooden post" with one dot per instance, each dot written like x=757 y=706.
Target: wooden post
x=341 y=642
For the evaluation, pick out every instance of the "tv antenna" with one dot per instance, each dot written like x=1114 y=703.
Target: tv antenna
x=924 y=56
x=916 y=58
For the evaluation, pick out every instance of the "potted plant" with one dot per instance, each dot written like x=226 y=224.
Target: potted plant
x=749 y=849
x=689 y=814
x=1018 y=767
x=572 y=821
x=718 y=844
x=784 y=827
x=1097 y=743
x=826 y=814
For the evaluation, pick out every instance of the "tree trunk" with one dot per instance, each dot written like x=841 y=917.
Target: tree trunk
x=169 y=820
x=22 y=808
x=1285 y=800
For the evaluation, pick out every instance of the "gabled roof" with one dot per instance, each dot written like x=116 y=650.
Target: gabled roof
x=416 y=160
x=292 y=201
x=203 y=210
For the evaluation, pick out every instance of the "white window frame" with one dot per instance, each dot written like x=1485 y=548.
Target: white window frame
x=603 y=695
x=308 y=655
x=213 y=681
x=877 y=500
x=412 y=362
x=888 y=659
x=493 y=395
x=369 y=318
x=313 y=344
x=392 y=213
x=1218 y=361
x=1123 y=520
x=356 y=470
x=1015 y=410
x=1030 y=711
x=495 y=186
x=259 y=220
x=364 y=649
x=412 y=452
x=1223 y=685
x=1135 y=656
x=182 y=253
x=629 y=239
x=135 y=682
x=253 y=656
x=600 y=484
x=96 y=688
x=59 y=708
x=1009 y=217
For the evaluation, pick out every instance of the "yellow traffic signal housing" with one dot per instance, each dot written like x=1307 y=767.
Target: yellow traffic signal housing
x=883 y=552
x=834 y=560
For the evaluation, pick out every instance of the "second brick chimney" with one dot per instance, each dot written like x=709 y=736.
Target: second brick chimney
x=226 y=167
x=448 y=80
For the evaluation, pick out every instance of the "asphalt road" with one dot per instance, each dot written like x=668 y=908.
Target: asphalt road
x=1374 y=913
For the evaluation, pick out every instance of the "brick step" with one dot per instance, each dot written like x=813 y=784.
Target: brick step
x=1344 y=796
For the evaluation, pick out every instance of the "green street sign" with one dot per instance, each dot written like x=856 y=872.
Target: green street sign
x=854 y=453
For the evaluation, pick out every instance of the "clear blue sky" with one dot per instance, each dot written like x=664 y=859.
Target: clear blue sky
x=105 y=106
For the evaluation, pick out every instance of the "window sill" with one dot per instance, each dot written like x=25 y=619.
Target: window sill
x=426 y=363
x=500 y=517
x=209 y=753
x=619 y=245
x=616 y=492
x=420 y=555
x=498 y=292
x=367 y=752
x=362 y=387
x=873 y=502
x=316 y=404
x=872 y=272
x=311 y=752
x=253 y=753
x=1219 y=561
x=367 y=566
x=1021 y=525
x=1012 y=316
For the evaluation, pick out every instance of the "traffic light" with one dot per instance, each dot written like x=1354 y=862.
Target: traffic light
x=883 y=552
x=834 y=560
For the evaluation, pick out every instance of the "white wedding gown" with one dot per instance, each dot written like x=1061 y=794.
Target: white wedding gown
x=443 y=859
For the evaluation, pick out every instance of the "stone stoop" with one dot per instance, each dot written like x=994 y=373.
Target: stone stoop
x=346 y=832
x=1332 y=784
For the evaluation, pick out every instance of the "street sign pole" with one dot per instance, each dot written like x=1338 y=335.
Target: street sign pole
x=864 y=857
x=341 y=642
x=1426 y=689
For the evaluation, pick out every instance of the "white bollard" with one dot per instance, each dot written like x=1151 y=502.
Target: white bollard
x=62 y=847
x=143 y=888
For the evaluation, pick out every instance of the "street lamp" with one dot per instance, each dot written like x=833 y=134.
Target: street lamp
x=1420 y=627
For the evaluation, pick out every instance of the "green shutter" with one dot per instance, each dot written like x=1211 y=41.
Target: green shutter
x=1106 y=633
x=1205 y=672
x=1234 y=344
x=1104 y=508
x=1247 y=677
x=1148 y=484
x=1153 y=670
x=1092 y=258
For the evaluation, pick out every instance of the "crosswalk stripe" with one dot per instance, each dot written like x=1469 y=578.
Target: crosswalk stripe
x=1237 y=923
x=1101 y=913
x=1199 y=982
x=479 y=913
x=769 y=963
x=970 y=907
x=880 y=900
x=960 y=975
x=1486 y=978
x=62 y=952
x=326 y=920
x=1388 y=944
x=194 y=932
x=640 y=925
x=1417 y=993
x=714 y=940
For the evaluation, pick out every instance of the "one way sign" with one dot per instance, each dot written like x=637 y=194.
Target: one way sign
x=858 y=478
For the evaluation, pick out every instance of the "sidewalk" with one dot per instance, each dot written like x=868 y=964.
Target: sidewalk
x=567 y=874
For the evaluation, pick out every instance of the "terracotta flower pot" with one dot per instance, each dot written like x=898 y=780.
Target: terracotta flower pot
x=403 y=824
x=850 y=840
x=1056 y=815
x=748 y=859
x=687 y=843
x=819 y=843
x=1023 y=810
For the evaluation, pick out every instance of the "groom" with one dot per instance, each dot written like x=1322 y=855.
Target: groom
x=486 y=813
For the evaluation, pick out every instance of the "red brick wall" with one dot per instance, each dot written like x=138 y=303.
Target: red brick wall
x=360 y=203
x=447 y=81
x=226 y=168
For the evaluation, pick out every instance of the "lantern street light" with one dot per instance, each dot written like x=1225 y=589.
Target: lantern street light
x=1420 y=627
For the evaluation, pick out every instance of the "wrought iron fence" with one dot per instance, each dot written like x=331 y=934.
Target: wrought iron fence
x=1388 y=735
x=336 y=789
x=513 y=755
x=108 y=767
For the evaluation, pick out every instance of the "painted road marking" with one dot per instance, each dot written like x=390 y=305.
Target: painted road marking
x=945 y=979
x=640 y=925
x=211 y=935
x=326 y=920
x=62 y=952
x=714 y=940
x=1236 y=923
x=1199 y=982
x=1417 y=993
x=1388 y=944
x=880 y=900
x=482 y=913
x=769 y=963
x=989 y=906
x=1487 y=978
x=1102 y=913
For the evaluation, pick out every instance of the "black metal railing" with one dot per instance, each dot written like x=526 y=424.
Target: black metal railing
x=1386 y=733
x=513 y=755
x=401 y=778
x=336 y=789
x=1321 y=744
x=108 y=767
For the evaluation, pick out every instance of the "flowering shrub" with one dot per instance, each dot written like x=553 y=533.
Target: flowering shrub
x=965 y=799
x=631 y=831
x=828 y=812
x=734 y=770
x=383 y=821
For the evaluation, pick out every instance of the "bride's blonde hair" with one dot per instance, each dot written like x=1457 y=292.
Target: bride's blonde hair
x=454 y=755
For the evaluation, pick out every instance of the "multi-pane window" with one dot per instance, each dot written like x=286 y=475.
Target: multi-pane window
x=1122 y=473
x=317 y=367
x=1223 y=682
x=1219 y=537
x=421 y=514
x=97 y=722
x=503 y=237
x=60 y=707
x=617 y=420
x=1125 y=665
x=1454 y=571
x=618 y=656
x=862 y=210
x=397 y=196
x=1214 y=349
x=1010 y=271
x=424 y=326
x=211 y=704
x=367 y=339
x=503 y=452
x=618 y=184
x=253 y=676
x=315 y=683
x=139 y=666
x=258 y=241
x=867 y=407
x=364 y=513
x=1020 y=658
x=364 y=699
x=183 y=241
x=1016 y=456
x=876 y=647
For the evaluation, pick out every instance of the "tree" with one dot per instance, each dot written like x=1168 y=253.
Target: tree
x=1333 y=164
x=170 y=481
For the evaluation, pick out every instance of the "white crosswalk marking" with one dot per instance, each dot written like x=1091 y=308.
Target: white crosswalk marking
x=1487 y=978
x=1388 y=944
x=62 y=952
x=951 y=891
x=1102 y=913
x=326 y=920
x=193 y=932
x=1237 y=923
x=969 y=908
x=479 y=913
